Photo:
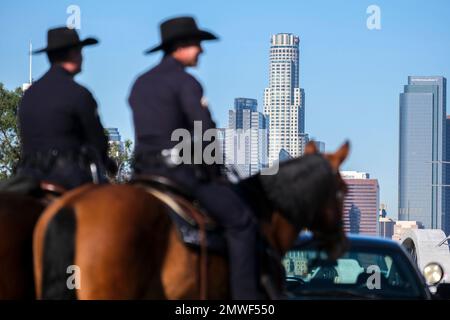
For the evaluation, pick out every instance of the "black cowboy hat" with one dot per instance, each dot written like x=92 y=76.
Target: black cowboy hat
x=64 y=38
x=179 y=29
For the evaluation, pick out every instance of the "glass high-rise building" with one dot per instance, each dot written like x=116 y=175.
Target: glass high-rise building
x=284 y=99
x=301 y=114
x=446 y=222
x=241 y=104
x=246 y=138
x=422 y=154
x=114 y=137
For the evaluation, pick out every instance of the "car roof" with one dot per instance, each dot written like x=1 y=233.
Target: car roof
x=355 y=240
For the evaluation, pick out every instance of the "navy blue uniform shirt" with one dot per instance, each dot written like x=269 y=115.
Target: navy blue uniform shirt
x=164 y=99
x=57 y=113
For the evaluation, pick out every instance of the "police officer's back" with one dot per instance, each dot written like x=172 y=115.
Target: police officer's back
x=60 y=131
x=167 y=98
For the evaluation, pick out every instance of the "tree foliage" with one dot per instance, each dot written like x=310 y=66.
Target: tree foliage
x=122 y=155
x=9 y=134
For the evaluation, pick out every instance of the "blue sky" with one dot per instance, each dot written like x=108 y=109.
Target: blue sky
x=352 y=76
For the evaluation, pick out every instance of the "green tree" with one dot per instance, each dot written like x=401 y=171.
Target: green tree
x=122 y=155
x=9 y=134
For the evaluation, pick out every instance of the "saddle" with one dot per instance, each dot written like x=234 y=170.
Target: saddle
x=195 y=228
x=28 y=186
x=199 y=232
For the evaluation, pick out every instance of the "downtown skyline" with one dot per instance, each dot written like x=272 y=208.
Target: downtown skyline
x=352 y=76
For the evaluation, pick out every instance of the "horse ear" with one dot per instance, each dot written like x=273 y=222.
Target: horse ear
x=337 y=158
x=311 y=148
x=343 y=152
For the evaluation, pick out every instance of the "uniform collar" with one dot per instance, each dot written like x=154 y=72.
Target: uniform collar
x=171 y=61
x=58 y=69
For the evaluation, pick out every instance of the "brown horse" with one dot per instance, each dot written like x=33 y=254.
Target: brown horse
x=125 y=245
x=19 y=214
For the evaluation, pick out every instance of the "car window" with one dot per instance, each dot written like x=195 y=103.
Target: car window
x=363 y=272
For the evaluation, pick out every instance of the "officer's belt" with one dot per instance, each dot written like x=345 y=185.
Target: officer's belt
x=46 y=159
x=167 y=157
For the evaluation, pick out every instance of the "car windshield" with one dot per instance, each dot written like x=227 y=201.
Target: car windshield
x=359 y=273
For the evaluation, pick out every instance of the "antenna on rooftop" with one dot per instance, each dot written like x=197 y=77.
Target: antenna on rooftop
x=25 y=86
x=30 y=81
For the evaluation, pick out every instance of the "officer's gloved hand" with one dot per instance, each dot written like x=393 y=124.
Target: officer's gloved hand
x=111 y=166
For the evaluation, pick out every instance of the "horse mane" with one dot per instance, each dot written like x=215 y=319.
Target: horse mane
x=297 y=191
x=251 y=190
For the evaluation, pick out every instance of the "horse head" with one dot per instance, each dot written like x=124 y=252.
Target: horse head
x=307 y=193
x=328 y=225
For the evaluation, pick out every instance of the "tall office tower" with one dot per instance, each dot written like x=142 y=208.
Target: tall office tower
x=320 y=146
x=422 y=154
x=446 y=227
x=303 y=139
x=115 y=138
x=302 y=113
x=284 y=156
x=221 y=136
x=283 y=99
x=236 y=116
x=113 y=135
x=246 y=138
x=354 y=217
x=361 y=203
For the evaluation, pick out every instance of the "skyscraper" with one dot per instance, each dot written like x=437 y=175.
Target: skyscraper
x=240 y=105
x=320 y=146
x=113 y=135
x=303 y=139
x=115 y=138
x=422 y=151
x=246 y=138
x=446 y=227
x=302 y=113
x=354 y=217
x=283 y=99
x=221 y=136
x=361 y=203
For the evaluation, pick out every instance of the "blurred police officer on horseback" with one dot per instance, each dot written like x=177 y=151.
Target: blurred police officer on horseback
x=63 y=140
x=167 y=98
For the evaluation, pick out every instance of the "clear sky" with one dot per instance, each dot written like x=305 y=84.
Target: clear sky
x=352 y=76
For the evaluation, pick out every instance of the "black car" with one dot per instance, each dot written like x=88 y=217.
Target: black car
x=372 y=268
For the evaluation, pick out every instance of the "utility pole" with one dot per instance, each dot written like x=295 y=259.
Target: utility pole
x=25 y=86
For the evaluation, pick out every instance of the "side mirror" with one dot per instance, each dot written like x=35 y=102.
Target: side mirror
x=433 y=273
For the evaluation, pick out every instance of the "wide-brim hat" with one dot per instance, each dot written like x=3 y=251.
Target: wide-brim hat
x=180 y=29
x=64 y=38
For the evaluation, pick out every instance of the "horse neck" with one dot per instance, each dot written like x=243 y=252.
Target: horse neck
x=279 y=232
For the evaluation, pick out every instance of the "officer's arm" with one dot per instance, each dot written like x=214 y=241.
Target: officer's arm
x=93 y=130
x=191 y=95
x=197 y=110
